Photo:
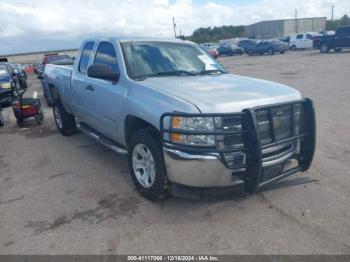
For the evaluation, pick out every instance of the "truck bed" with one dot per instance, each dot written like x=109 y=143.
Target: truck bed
x=60 y=77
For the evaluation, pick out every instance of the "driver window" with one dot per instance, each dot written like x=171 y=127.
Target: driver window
x=106 y=55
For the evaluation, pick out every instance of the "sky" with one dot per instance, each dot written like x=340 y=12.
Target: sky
x=38 y=25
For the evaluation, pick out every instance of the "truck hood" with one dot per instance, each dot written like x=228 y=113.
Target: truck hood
x=224 y=93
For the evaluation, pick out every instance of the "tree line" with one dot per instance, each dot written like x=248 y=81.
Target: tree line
x=345 y=20
x=214 y=34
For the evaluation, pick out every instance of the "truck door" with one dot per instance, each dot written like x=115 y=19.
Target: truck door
x=80 y=93
x=108 y=95
x=309 y=41
x=299 y=41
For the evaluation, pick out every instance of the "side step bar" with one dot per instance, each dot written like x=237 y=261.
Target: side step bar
x=102 y=140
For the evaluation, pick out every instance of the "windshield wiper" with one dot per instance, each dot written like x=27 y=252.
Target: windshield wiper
x=173 y=73
x=207 y=72
x=178 y=73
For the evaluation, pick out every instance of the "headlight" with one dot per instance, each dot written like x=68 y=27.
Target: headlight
x=202 y=124
x=207 y=125
x=5 y=85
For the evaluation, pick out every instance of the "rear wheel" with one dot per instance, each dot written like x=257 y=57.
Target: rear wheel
x=282 y=52
x=270 y=51
x=20 y=122
x=324 y=48
x=65 y=122
x=146 y=164
x=250 y=52
x=337 y=50
x=293 y=47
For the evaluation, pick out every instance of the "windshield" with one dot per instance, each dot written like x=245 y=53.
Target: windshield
x=3 y=71
x=149 y=59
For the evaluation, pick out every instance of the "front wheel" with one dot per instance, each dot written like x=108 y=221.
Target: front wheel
x=65 y=122
x=146 y=164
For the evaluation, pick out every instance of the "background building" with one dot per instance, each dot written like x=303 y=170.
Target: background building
x=36 y=57
x=285 y=27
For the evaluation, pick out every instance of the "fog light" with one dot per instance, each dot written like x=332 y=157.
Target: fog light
x=235 y=159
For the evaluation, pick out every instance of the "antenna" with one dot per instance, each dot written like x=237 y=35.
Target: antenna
x=296 y=21
x=332 y=16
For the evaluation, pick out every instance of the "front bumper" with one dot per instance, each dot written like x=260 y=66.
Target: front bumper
x=200 y=168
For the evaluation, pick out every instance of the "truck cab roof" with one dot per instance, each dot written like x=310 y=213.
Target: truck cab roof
x=129 y=38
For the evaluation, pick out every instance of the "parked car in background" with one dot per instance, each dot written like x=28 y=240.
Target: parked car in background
x=302 y=41
x=230 y=49
x=212 y=50
x=8 y=80
x=285 y=40
x=47 y=56
x=19 y=69
x=337 y=41
x=180 y=118
x=268 y=47
x=245 y=44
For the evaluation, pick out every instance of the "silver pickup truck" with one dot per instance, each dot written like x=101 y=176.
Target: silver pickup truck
x=180 y=117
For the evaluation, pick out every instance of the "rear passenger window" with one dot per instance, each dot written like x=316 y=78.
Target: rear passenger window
x=299 y=36
x=85 y=56
x=106 y=55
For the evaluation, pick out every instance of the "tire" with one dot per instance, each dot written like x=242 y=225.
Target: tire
x=270 y=51
x=324 y=48
x=282 y=52
x=39 y=119
x=48 y=102
x=337 y=50
x=249 y=52
x=293 y=47
x=20 y=122
x=145 y=152
x=65 y=122
x=2 y=122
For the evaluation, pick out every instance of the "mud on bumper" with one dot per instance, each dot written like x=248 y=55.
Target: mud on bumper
x=272 y=148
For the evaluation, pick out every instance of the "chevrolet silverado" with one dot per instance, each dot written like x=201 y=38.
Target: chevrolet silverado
x=180 y=117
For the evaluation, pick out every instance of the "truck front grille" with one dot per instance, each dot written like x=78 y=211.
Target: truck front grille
x=278 y=123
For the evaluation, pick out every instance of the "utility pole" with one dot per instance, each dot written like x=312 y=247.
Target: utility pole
x=296 y=21
x=174 y=25
x=332 y=16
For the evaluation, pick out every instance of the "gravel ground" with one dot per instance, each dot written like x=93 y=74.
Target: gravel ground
x=70 y=195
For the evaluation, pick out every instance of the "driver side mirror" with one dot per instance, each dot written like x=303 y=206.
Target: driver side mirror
x=102 y=71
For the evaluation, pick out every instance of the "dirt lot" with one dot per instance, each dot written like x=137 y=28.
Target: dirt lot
x=70 y=195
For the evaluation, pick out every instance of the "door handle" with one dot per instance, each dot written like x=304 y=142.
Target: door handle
x=90 y=88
